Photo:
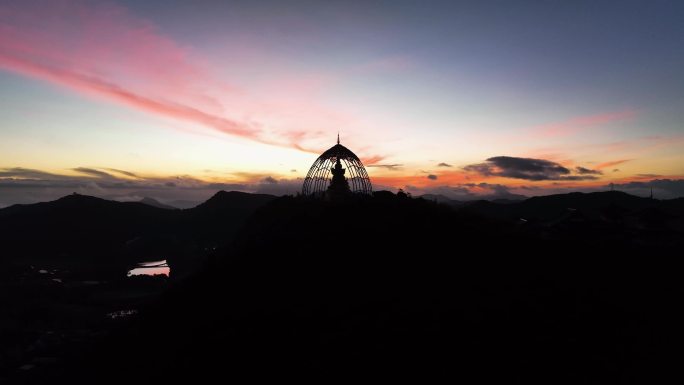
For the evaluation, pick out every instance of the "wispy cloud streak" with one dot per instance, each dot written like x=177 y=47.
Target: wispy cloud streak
x=94 y=86
x=102 y=50
x=611 y=163
x=578 y=124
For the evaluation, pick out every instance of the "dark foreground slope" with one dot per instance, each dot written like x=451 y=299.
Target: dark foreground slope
x=393 y=287
x=63 y=269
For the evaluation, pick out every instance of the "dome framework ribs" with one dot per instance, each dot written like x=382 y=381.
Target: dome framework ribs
x=319 y=176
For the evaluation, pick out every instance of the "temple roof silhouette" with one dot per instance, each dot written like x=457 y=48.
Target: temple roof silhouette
x=327 y=174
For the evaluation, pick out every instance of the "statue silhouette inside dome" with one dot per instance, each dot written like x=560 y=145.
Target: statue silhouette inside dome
x=339 y=186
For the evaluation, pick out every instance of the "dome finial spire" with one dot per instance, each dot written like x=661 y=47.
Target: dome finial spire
x=338 y=137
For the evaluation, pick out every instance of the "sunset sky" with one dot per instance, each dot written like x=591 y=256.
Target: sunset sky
x=178 y=99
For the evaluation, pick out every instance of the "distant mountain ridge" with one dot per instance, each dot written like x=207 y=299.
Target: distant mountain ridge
x=549 y=206
x=496 y=198
x=234 y=199
x=77 y=226
x=155 y=203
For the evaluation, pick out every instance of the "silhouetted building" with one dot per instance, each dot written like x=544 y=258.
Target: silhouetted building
x=326 y=177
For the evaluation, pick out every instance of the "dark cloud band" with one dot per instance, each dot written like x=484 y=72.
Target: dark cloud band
x=529 y=169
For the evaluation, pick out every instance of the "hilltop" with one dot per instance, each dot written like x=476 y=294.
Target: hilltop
x=558 y=288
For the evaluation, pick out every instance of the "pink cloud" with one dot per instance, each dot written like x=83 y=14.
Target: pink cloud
x=633 y=147
x=371 y=160
x=103 y=50
x=88 y=85
x=611 y=163
x=579 y=124
x=102 y=41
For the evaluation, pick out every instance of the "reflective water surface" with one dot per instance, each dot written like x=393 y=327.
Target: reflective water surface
x=151 y=268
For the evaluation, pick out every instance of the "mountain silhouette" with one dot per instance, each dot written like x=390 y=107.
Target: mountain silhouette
x=235 y=200
x=84 y=232
x=184 y=204
x=77 y=228
x=385 y=286
x=155 y=203
x=551 y=206
x=439 y=198
x=213 y=223
x=397 y=287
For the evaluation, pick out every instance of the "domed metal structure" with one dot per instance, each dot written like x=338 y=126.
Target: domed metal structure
x=327 y=174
